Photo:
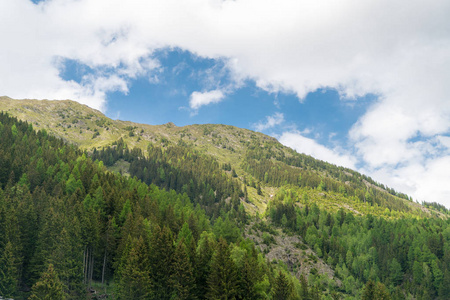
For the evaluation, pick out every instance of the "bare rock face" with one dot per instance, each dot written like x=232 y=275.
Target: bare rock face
x=290 y=249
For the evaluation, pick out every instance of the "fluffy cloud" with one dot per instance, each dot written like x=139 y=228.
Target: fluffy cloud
x=308 y=146
x=199 y=99
x=357 y=47
x=271 y=121
x=399 y=51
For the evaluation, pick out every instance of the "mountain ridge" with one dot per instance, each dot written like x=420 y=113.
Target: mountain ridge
x=89 y=128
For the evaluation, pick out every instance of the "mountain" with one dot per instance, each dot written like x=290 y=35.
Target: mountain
x=250 y=154
x=155 y=210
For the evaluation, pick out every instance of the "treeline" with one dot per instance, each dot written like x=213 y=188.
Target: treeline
x=275 y=151
x=436 y=206
x=272 y=166
x=66 y=223
x=183 y=169
x=409 y=257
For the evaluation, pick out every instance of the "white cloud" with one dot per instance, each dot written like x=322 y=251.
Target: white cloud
x=398 y=50
x=424 y=181
x=271 y=121
x=199 y=99
x=308 y=146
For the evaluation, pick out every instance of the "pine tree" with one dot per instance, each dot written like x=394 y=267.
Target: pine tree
x=161 y=262
x=282 y=289
x=258 y=189
x=381 y=293
x=8 y=272
x=369 y=291
x=134 y=274
x=202 y=260
x=249 y=272
x=49 y=287
x=182 y=279
x=444 y=289
x=374 y=291
x=222 y=281
x=304 y=287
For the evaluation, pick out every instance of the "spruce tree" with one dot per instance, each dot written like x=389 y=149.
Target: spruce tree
x=222 y=281
x=134 y=274
x=369 y=291
x=248 y=277
x=8 y=272
x=374 y=291
x=182 y=279
x=202 y=260
x=304 y=287
x=161 y=262
x=48 y=287
x=381 y=293
x=282 y=289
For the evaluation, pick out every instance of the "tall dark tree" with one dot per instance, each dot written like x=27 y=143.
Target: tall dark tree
x=203 y=255
x=304 y=288
x=8 y=271
x=161 y=262
x=282 y=289
x=222 y=281
x=48 y=287
x=375 y=291
x=248 y=277
x=182 y=279
x=134 y=274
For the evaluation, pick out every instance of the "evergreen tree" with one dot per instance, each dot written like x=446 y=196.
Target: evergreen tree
x=381 y=293
x=369 y=291
x=48 y=287
x=203 y=255
x=66 y=258
x=395 y=270
x=249 y=273
x=444 y=289
x=374 y=291
x=222 y=281
x=8 y=272
x=182 y=279
x=161 y=262
x=304 y=293
x=282 y=289
x=134 y=275
x=258 y=189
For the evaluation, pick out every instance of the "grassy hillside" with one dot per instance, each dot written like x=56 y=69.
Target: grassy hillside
x=253 y=156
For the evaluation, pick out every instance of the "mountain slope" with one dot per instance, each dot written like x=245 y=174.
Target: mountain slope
x=67 y=224
x=257 y=159
x=330 y=227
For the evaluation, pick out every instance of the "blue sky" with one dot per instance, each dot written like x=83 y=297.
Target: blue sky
x=363 y=84
x=164 y=97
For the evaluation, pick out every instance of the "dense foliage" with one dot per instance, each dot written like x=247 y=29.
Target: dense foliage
x=409 y=256
x=180 y=168
x=67 y=224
